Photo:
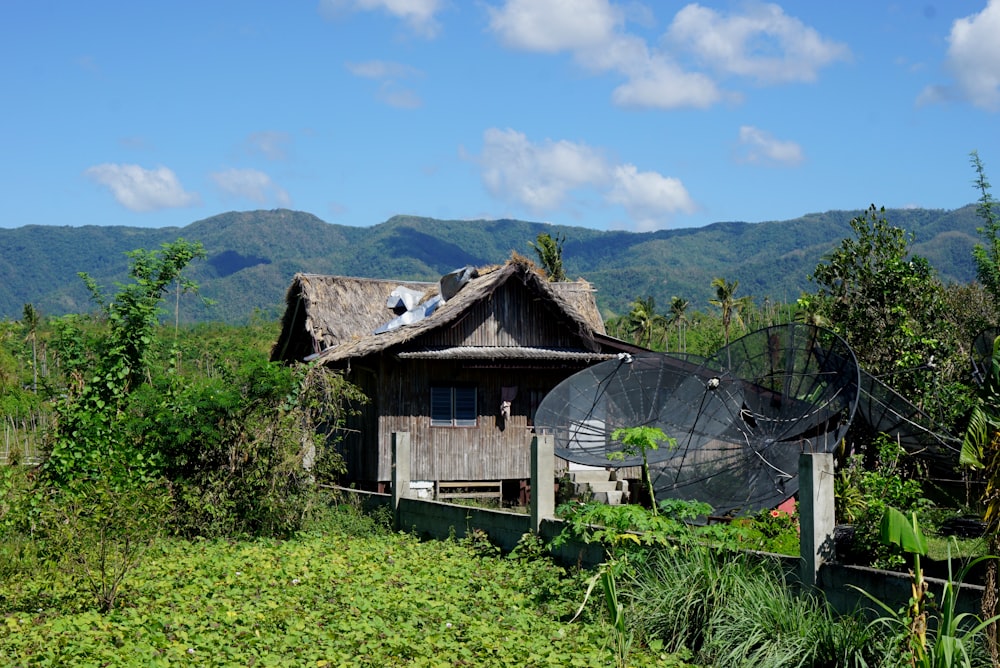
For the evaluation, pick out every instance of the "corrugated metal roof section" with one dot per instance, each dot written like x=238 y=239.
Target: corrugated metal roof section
x=505 y=353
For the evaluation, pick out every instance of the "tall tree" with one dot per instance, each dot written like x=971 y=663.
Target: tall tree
x=678 y=316
x=728 y=304
x=30 y=320
x=987 y=257
x=550 y=253
x=888 y=305
x=643 y=320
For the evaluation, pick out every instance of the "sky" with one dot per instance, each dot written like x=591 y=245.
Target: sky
x=595 y=113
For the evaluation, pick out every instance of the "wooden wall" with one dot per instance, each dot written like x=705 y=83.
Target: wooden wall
x=400 y=390
x=493 y=450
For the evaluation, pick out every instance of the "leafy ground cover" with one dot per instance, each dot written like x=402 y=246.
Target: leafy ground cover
x=324 y=598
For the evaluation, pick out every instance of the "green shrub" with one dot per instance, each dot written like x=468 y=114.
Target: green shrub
x=96 y=533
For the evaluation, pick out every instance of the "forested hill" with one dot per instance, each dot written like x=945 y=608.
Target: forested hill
x=253 y=255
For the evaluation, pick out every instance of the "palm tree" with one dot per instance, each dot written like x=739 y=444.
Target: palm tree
x=809 y=311
x=728 y=303
x=643 y=319
x=678 y=306
x=549 y=252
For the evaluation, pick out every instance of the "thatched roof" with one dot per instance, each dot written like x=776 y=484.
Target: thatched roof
x=336 y=316
x=322 y=312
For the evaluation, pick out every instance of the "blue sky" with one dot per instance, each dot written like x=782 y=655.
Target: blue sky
x=609 y=115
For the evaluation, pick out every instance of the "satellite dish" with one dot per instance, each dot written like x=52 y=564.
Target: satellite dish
x=583 y=411
x=785 y=390
x=740 y=417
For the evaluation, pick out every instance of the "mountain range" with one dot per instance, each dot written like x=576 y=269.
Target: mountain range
x=253 y=255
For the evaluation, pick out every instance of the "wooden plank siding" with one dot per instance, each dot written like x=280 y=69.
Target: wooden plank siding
x=512 y=316
x=493 y=449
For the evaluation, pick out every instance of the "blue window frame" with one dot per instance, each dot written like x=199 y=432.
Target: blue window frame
x=453 y=406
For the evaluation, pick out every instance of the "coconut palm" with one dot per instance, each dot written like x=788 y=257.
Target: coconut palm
x=643 y=319
x=678 y=306
x=549 y=252
x=728 y=303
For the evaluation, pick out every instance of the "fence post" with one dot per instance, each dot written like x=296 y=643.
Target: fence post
x=543 y=476
x=816 y=514
x=400 y=472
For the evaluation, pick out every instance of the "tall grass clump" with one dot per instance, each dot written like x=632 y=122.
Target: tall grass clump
x=738 y=610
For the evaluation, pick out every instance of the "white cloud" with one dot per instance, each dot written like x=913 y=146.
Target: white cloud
x=271 y=144
x=399 y=98
x=648 y=197
x=141 y=189
x=250 y=184
x=974 y=60
x=538 y=176
x=764 y=44
x=555 y=25
x=660 y=84
x=759 y=146
x=382 y=69
x=543 y=176
x=388 y=75
x=418 y=14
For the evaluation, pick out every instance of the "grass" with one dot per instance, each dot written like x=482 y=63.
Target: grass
x=731 y=610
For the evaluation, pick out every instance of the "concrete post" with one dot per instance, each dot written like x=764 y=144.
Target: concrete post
x=400 y=472
x=543 y=476
x=816 y=514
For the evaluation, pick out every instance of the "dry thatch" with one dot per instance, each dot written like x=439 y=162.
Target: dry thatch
x=324 y=311
x=336 y=315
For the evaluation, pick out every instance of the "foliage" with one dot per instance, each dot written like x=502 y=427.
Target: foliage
x=774 y=531
x=678 y=318
x=97 y=534
x=981 y=450
x=927 y=637
x=320 y=599
x=550 y=252
x=887 y=304
x=638 y=441
x=243 y=448
x=238 y=439
x=733 y=610
x=90 y=437
x=728 y=304
x=643 y=320
x=863 y=492
x=987 y=256
x=622 y=529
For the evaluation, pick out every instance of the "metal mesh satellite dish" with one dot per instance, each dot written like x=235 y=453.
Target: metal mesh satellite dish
x=887 y=412
x=740 y=417
x=787 y=389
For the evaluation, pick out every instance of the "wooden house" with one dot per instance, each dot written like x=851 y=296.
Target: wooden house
x=464 y=381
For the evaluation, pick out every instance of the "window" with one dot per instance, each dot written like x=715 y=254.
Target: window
x=453 y=406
